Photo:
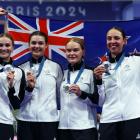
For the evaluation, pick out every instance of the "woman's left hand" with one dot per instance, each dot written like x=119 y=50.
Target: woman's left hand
x=75 y=89
x=10 y=78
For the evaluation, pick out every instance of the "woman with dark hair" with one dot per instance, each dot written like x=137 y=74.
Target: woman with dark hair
x=12 y=86
x=39 y=112
x=78 y=112
x=118 y=84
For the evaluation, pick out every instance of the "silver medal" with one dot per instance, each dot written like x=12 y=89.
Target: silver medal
x=34 y=70
x=8 y=68
x=66 y=88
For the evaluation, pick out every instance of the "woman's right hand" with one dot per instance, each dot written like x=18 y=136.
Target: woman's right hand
x=3 y=11
x=10 y=78
x=31 y=80
x=98 y=71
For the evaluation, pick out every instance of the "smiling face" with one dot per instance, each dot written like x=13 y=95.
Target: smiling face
x=115 y=41
x=6 y=48
x=74 y=52
x=37 y=46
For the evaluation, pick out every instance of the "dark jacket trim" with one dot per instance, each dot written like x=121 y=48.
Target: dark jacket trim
x=93 y=97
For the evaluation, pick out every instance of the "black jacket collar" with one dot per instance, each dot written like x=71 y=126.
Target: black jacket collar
x=76 y=66
x=35 y=61
x=3 y=63
x=116 y=59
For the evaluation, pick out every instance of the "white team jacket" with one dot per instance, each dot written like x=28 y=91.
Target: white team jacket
x=77 y=113
x=120 y=92
x=40 y=104
x=6 y=116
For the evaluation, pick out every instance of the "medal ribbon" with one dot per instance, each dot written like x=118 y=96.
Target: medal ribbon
x=119 y=62
x=77 y=77
x=40 y=66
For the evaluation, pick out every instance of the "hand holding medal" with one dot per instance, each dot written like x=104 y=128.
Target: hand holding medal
x=9 y=70
x=31 y=79
x=66 y=88
x=98 y=71
x=75 y=89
